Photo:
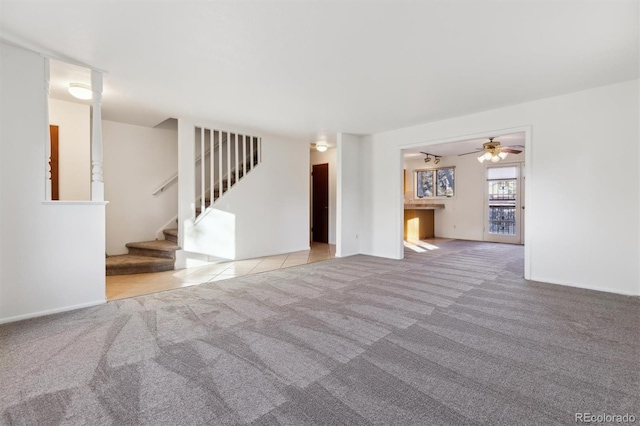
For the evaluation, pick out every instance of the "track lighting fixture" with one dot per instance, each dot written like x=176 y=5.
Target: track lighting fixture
x=436 y=158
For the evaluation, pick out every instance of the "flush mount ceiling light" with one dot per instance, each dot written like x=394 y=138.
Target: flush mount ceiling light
x=80 y=91
x=436 y=158
x=321 y=146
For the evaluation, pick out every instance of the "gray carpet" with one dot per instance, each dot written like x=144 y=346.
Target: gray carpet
x=448 y=337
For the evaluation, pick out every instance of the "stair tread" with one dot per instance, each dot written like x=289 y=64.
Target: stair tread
x=160 y=245
x=126 y=260
x=172 y=231
x=125 y=264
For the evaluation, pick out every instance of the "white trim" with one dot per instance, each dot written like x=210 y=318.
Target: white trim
x=75 y=203
x=51 y=311
x=13 y=41
x=582 y=286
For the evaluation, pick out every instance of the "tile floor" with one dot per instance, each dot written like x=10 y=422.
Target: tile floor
x=124 y=286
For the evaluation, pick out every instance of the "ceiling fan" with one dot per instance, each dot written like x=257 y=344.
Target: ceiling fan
x=492 y=151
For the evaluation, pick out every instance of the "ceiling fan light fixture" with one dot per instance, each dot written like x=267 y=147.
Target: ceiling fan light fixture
x=481 y=159
x=487 y=155
x=80 y=91
x=503 y=155
x=495 y=159
x=321 y=146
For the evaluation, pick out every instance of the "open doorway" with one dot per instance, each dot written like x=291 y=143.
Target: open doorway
x=322 y=196
x=455 y=180
x=320 y=203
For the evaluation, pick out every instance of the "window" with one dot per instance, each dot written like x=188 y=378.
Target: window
x=435 y=182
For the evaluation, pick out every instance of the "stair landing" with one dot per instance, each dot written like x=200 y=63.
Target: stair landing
x=145 y=256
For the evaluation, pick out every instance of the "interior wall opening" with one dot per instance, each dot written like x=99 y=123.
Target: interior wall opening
x=470 y=189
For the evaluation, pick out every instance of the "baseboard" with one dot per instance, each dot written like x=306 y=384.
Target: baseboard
x=585 y=287
x=51 y=311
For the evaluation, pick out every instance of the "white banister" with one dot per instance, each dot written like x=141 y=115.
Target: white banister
x=259 y=143
x=220 y=188
x=235 y=141
x=244 y=155
x=251 y=151
x=203 y=167
x=97 y=184
x=230 y=166
x=228 y=161
x=212 y=156
x=47 y=132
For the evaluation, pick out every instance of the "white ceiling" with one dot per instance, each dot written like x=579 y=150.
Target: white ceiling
x=307 y=68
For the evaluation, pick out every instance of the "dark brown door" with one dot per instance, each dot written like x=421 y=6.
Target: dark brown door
x=320 y=188
x=53 y=162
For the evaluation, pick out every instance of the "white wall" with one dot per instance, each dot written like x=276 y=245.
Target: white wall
x=265 y=213
x=329 y=157
x=137 y=161
x=463 y=215
x=74 y=145
x=51 y=253
x=350 y=197
x=582 y=184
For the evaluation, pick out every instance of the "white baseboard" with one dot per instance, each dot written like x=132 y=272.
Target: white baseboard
x=586 y=287
x=51 y=311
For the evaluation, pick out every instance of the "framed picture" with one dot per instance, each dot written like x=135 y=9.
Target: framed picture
x=435 y=182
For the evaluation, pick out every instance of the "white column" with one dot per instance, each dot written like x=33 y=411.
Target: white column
x=97 y=184
x=47 y=132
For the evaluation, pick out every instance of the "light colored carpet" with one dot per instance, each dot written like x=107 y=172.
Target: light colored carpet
x=452 y=336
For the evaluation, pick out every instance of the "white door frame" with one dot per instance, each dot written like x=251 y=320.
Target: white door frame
x=528 y=200
x=519 y=202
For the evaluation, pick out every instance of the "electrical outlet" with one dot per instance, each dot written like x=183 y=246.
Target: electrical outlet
x=356 y=236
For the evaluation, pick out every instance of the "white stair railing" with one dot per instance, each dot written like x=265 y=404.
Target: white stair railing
x=231 y=157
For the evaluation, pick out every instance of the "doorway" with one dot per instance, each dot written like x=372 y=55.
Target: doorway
x=320 y=201
x=503 y=212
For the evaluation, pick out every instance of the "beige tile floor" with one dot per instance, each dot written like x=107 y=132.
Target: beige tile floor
x=124 y=286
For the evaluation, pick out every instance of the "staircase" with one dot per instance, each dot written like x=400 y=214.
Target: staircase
x=146 y=256
x=225 y=158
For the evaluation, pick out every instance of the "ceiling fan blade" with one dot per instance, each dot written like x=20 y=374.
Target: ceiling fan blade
x=477 y=151
x=511 y=150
